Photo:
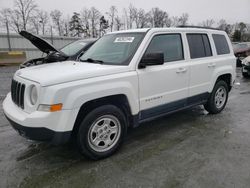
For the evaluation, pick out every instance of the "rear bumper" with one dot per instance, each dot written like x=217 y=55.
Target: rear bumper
x=41 y=133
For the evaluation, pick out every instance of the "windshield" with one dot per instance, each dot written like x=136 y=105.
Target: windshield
x=115 y=49
x=73 y=48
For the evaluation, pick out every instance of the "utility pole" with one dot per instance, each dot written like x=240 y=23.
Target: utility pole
x=8 y=34
x=51 y=34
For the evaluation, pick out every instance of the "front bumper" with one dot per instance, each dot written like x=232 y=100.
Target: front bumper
x=246 y=67
x=55 y=127
x=41 y=133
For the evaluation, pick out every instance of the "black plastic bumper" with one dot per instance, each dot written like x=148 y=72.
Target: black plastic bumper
x=41 y=133
x=246 y=67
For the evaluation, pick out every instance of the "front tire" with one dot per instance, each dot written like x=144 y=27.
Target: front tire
x=218 y=98
x=102 y=132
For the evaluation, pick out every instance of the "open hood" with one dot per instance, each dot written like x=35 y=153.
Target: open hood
x=40 y=43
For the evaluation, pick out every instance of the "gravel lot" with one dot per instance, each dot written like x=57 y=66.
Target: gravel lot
x=187 y=149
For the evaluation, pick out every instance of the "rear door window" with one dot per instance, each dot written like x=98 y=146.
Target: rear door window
x=221 y=44
x=199 y=45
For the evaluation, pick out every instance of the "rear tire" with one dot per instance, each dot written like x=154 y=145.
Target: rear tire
x=218 y=98
x=101 y=132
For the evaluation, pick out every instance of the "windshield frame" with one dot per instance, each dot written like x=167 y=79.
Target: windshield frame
x=128 y=60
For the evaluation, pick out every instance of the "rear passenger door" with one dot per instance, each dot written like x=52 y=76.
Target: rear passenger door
x=202 y=66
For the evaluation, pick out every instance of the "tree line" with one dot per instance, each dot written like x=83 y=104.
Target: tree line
x=90 y=22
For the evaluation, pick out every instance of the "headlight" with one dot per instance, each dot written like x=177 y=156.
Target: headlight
x=33 y=95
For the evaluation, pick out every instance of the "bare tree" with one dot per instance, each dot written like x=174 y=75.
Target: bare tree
x=94 y=19
x=248 y=28
x=118 y=23
x=85 y=17
x=183 y=19
x=242 y=27
x=35 y=24
x=222 y=24
x=169 y=22
x=130 y=15
x=112 y=14
x=134 y=17
x=158 y=17
x=140 y=17
x=174 y=21
x=56 y=16
x=10 y=18
x=24 y=9
x=208 y=23
x=15 y=21
x=66 y=26
x=143 y=18
x=125 y=18
x=5 y=15
x=43 y=18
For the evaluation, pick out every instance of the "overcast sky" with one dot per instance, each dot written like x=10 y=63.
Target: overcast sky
x=199 y=10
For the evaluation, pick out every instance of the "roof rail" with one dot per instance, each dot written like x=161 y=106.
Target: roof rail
x=198 y=27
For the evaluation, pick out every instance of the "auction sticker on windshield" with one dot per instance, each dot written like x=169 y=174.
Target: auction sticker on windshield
x=124 y=39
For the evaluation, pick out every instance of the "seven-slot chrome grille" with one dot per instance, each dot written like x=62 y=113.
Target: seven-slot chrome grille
x=17 y=93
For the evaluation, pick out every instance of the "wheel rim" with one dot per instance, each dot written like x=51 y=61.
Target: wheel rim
x=220 y=97
x=104 y=133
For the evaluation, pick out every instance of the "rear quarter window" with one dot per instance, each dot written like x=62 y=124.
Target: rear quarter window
x=221 y=44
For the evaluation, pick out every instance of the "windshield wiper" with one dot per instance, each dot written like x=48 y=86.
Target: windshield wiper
x=92 y=60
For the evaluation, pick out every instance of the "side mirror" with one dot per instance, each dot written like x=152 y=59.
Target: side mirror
x=151 y=59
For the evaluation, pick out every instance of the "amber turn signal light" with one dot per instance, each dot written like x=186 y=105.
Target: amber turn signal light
x=56 y=107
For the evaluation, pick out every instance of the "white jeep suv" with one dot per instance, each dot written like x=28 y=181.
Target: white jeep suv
x=125 y=78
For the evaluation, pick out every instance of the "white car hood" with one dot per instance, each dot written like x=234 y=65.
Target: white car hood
x=61 y=72
x=246 y=61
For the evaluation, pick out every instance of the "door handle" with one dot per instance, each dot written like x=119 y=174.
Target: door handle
x=211 y=65
x=181 y=70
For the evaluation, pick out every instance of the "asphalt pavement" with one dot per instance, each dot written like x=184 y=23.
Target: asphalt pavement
x=190 y=148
